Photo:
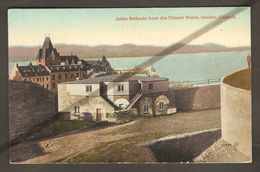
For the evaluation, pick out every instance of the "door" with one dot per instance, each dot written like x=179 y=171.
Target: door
x=98 y=114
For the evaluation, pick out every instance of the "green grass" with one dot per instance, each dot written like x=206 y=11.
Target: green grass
x=132 y=147
x=65 y=126
x=124 y=150
x=59 y=126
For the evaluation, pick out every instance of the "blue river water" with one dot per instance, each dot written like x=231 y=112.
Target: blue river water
x=191 y=67
x=185 y=67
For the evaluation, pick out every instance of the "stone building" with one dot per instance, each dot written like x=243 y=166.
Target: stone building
x=48 y=76
x=48 y=55
x=108 y=98
x=52 y=68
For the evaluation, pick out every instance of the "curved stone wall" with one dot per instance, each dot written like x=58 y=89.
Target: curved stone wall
x=236 y=114
x=198 y=98
x=185 y=147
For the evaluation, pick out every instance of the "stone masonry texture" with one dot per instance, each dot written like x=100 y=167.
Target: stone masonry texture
x=198 y=98
x=236 y=118
x=29 y=106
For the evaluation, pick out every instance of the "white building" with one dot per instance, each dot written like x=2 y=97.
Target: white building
x=106 y=98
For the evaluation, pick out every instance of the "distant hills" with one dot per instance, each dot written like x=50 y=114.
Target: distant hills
x=20 y=53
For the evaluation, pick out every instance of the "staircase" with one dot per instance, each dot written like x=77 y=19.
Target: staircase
x=111 y=103
x=89 y=74
x=93 y=74
x=123 y=115
x=132 y=102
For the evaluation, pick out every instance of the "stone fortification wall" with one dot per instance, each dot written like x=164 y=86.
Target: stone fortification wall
x=29 y=106
x=236 y=115
x=185 y=147
x=198 y=98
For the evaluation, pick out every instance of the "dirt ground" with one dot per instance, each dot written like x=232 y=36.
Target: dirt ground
x=120 y=143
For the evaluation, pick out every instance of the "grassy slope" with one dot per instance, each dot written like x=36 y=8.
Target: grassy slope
x=119 y=143
x=133 y=149
x=58 y=127
x=241 y=79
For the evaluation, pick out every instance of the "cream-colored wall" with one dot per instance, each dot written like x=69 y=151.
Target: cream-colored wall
x=112 y=88
x=146 y=101
x=166 y=102
x=67 y=102
x=236 y=116
x=114 y=98
x=15 y=74
x=80 y=89
x=153 y=105
x=121 y=101
x=90 y=106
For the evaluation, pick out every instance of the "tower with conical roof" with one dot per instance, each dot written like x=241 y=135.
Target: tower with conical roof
x=48 y=55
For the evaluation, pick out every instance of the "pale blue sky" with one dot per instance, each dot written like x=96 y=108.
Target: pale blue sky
x=28 y=27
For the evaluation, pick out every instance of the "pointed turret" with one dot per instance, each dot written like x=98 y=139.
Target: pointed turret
x=104 y=59
x=47 y=44
x=47 y=55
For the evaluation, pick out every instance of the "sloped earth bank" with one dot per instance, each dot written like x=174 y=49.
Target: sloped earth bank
x=121 y=143
x=184 y=147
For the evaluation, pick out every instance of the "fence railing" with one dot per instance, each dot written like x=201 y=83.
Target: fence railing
x=201 y=82
x=187 y=84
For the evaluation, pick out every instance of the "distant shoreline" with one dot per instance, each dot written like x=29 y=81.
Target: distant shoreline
x=136 y=56
x=173 y=54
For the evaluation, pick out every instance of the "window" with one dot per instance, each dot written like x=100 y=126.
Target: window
x=120 y=88
x=59 y=76
x=161 y=106
x=42 y=79
x=77 y=74
x=66 y=76
x=146 y=108
x=53 y=85
x=37 y=79
x=76 y=109
x=71 y=76
x=150 y=86
x=53 y=77
x=89 y=88
x=47 y=78
x=47 y=85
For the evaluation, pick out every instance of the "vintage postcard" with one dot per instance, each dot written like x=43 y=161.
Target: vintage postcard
x=130 y=85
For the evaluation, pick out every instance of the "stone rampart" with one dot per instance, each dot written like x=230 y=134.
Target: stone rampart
x=236 y=116
x=198 y=98
x=29 y=106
